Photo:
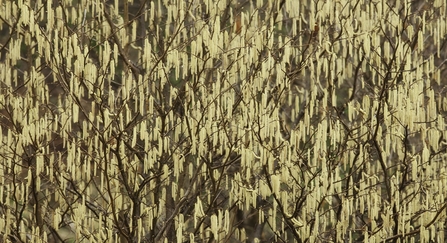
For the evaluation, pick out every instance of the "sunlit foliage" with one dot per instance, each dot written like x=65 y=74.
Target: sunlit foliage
x=223 y=121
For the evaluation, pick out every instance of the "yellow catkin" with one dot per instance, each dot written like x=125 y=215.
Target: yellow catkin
x=214 y=227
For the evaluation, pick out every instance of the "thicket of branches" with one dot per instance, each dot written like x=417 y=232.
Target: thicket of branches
x=223 y=121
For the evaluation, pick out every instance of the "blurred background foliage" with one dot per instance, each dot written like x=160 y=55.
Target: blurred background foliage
x=223 y=121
